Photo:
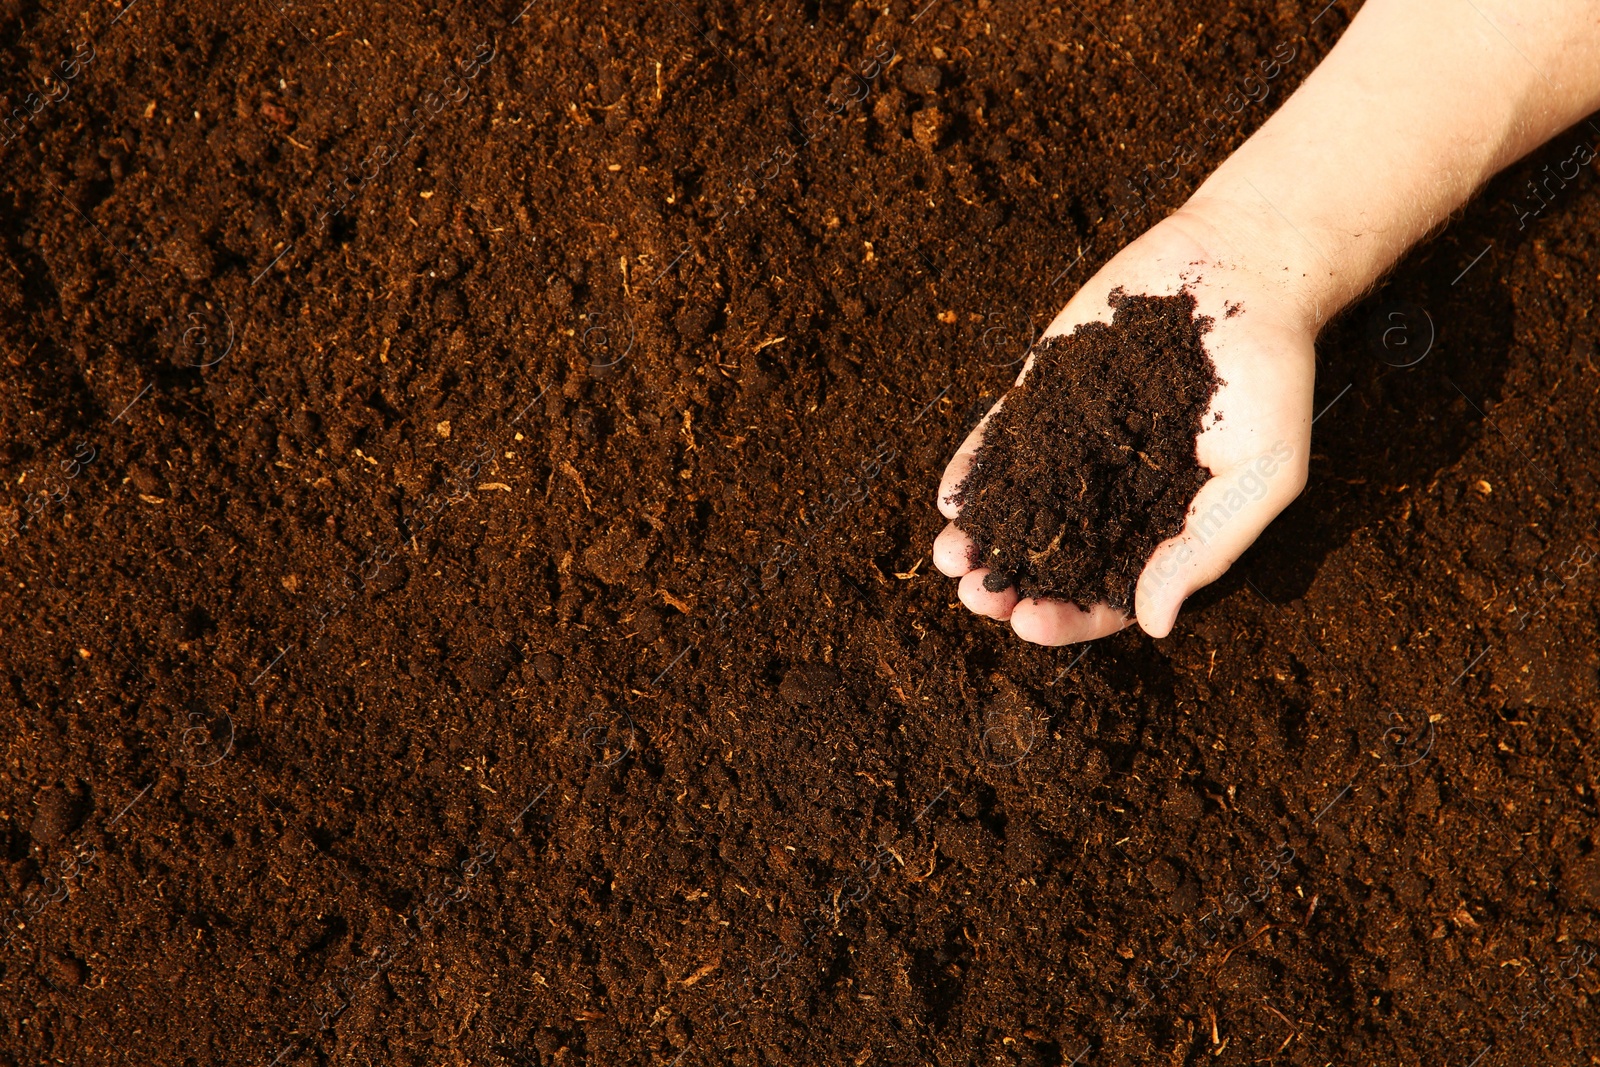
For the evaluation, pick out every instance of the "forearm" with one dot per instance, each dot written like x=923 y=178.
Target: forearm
x=1419 y=104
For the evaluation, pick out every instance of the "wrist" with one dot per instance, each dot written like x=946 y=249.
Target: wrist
x=1410 y=113
x=1270 y=260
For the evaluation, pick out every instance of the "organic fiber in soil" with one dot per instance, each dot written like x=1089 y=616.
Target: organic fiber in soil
x=467 y=477
x=1091 y=462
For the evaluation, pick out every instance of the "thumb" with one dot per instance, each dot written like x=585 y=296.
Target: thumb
x=960 y=465
x=1227 y=515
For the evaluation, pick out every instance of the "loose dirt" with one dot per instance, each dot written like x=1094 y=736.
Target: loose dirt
x=469 y=479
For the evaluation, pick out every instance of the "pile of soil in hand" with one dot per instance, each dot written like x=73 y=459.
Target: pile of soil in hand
x=1091 y=462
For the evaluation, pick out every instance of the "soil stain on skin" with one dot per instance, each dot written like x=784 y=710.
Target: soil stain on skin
x=1091 y=462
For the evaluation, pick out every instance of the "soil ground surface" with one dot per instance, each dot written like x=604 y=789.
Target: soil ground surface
x=1091 y=462
x=468 y=480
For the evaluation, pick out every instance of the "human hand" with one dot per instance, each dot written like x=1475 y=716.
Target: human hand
x=1410 y=113
x=1256 y=444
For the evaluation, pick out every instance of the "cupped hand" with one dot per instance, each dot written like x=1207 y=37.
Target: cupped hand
x=1256 y=441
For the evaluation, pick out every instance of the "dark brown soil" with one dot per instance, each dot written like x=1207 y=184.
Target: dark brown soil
x=466 y=595
x=1091 y=463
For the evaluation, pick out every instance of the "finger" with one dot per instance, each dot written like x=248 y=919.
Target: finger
x=981 y=601
x=1227 y=515
x=1056 y=622
x=955 y=472
x=952 y=551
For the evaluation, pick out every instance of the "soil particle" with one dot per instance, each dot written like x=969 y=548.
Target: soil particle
x=808 y=685
x=547 y=666
x=1582 y=882
x=921 y=79
x=59 y=812
x=65 y=970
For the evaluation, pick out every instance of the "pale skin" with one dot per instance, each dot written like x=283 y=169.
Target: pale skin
x=1416 y=107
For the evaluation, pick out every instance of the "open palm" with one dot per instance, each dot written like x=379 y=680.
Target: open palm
x=1255 y=443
